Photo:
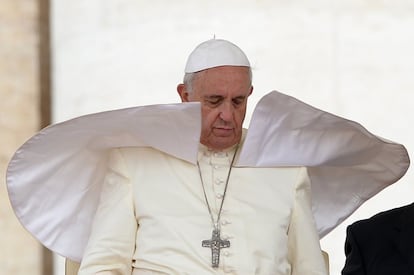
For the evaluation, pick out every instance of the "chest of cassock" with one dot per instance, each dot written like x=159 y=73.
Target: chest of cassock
x=173 y=217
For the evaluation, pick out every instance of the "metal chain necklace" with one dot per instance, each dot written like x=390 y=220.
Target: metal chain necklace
x=216 y=243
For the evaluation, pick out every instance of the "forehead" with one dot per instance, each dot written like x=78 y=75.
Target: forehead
x=223 y=78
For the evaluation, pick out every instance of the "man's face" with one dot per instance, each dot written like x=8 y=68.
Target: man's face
x=223 y=93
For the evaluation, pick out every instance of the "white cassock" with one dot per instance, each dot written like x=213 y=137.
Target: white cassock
x=154 y=202
x=54 y=180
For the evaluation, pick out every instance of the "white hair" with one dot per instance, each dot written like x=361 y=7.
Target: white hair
x=189 y=79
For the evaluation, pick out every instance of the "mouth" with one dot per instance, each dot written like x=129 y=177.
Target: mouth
x=223 y=131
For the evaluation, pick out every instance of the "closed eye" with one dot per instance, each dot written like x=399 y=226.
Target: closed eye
x=239 y=100
x=214 y=100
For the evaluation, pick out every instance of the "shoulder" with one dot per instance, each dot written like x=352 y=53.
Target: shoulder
x=395 y=212
x=138 y=150
x=138 y=154
x=384 y=219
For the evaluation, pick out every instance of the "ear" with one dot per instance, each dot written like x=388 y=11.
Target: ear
x=182 y=91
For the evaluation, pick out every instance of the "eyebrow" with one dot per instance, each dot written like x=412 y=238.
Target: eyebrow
x=220 y=97
x=239 y=97
x=213 y=97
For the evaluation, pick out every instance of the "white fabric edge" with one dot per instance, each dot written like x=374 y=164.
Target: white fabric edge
x=269 y=142
x=346 y=163
x=41 y=172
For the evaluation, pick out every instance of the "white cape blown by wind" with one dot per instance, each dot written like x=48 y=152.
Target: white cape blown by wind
x=54 y=179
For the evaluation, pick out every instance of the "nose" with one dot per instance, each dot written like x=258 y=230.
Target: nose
x=226 y=111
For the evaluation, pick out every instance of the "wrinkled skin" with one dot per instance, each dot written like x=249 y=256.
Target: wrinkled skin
x=223 y=92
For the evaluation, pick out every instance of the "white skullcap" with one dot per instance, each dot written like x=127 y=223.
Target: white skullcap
x=213 y=53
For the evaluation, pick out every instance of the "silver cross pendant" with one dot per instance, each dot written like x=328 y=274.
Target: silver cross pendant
x=215 y=243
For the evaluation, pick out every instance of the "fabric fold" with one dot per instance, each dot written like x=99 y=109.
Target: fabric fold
x=347 y=164
x=54 y=179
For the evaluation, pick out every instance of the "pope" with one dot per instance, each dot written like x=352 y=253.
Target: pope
x=184 y=189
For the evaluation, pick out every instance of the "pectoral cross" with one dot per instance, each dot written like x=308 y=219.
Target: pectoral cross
x=215 y=243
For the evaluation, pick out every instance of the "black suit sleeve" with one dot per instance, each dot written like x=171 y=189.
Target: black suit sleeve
x=354 y=263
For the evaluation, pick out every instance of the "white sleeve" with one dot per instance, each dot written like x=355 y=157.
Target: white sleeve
x=112 y=240
x=305 y=255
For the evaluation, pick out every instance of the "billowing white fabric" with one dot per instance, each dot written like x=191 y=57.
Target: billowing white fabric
x=54 y=179
x=347 y=164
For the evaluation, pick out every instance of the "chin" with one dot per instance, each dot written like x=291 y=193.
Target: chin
x=223 y=145
x=220 y=142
